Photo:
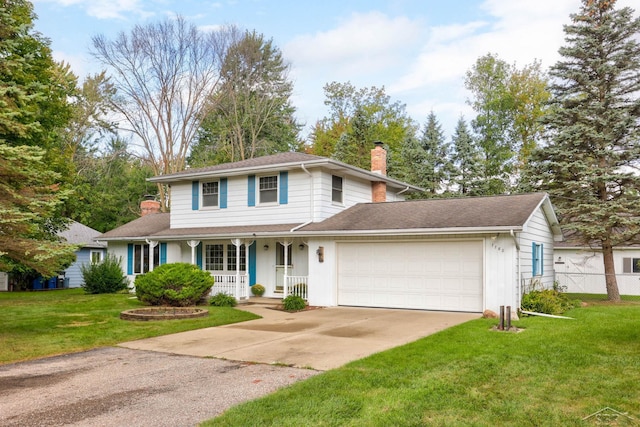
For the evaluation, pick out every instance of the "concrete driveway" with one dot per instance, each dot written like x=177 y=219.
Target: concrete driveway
x=320 y=339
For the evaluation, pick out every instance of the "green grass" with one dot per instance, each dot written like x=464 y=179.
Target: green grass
x=39 y=324
x=553 y=373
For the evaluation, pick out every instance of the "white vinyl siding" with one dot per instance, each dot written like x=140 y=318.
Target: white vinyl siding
x=537 y=232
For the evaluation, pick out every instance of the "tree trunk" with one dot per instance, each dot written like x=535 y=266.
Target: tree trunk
x=610 y=272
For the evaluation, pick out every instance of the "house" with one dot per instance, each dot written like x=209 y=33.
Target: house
x=89 y=251
x=340 y=235
x=580 y=267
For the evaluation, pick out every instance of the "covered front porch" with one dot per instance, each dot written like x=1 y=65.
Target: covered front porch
x=280 y=265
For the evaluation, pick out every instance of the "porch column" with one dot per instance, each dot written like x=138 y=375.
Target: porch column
x=237 y=243
x=152 y=245
x=285 y=244
x=193 y=244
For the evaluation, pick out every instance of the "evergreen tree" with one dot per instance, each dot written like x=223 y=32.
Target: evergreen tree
x=437 y=165
x=594 y=129
x=466 y=159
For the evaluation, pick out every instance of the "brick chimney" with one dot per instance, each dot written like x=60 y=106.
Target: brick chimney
x=379 y=165
x=149 y=206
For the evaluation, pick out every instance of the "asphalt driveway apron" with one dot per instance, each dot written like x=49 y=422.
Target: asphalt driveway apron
x=320 y=339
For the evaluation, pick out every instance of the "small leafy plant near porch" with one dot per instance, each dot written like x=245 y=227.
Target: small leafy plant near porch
x=223 y=300
x=177 y=285
x=293 y=303
x=549 y=301
x=257 y=290
x=104 y=277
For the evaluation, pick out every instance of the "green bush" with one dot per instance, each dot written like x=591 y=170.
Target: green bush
x=547 y=301
x=257 y=290
x=293 y=303
x=105 y=277
x=178 y=285
x=223 y=300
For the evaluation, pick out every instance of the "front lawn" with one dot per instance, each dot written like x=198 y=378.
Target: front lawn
x=553 y=373
x=47 y=323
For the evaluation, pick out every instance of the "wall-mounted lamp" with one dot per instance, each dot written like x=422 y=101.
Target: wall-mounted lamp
x=301 y=246
x=266 y=247
x=320 y=253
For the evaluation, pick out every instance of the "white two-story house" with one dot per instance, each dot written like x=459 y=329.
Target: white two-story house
x=340 y=235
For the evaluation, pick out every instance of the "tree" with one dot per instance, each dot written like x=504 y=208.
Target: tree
x=253 y=115
x=29 y=196
x=509 y=103
x=357 y=118
x=591 y=161
x=165 y=75
x=466 y=158
x=437 y=166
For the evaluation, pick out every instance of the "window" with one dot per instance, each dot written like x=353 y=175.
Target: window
x=631 y=265
x=231 y=258
x=210 y=191
x=141 y=258
x=214 y=257
x=336 y=189
x=96 y=257
x=268 y=189
x=537 y=264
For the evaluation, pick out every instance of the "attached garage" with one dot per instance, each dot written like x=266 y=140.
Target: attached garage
x=428 y=275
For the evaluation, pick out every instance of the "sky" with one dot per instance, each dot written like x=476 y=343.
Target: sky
x=418 y=50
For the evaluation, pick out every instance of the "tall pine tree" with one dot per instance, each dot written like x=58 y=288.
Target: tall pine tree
x=437 y=166
x=594 y=130
x=467 y=161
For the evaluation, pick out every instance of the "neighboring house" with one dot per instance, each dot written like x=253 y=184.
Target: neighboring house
x=580 y=268
x=89 y=251
x=340 y=235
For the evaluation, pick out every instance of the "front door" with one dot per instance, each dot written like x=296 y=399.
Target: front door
x=280 y=265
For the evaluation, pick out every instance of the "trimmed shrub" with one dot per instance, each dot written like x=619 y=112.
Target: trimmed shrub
x=547 y=301
x=178 y=285
x=104 y=277
x=223 y=300
x=293 y=303
x=257 y=290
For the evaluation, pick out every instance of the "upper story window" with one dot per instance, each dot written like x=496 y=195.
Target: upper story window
x=210 y=193
x=268 y=189
x=336 y=189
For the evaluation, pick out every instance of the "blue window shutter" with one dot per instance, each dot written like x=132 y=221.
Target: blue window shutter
x=251 y=190
x=534 y=259
x=163 y=253
x=541 y=259
x=199 y=255
x=130 y=258
x=195 y=195
x=223 y=193
x=284 y=188
x=252 y=263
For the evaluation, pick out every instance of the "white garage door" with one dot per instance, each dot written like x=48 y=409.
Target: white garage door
x=419 y=275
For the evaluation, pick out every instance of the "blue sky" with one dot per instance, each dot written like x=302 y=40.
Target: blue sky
x=419 y=50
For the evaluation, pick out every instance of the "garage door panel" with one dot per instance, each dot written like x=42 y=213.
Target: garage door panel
x=420 y=275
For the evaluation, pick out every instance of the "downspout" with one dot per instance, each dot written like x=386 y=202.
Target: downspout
x=402 y=191
x=519 y=279
x=311 y=201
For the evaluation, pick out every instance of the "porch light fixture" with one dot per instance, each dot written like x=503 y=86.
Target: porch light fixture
x=301 y=246
x=266 y=247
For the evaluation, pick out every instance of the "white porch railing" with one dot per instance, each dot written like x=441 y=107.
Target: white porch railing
x=228 y=284
x=297 y=285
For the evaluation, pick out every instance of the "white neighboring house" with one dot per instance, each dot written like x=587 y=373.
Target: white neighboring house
x=89 y=251
x=340 y=235
x=580 y=268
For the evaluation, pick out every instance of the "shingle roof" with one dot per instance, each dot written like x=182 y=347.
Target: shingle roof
x=272 y=160
x=80 y=234
x=142 y=227
x=467 y=212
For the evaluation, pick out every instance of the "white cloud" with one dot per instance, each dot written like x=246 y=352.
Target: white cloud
x=105 y=9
